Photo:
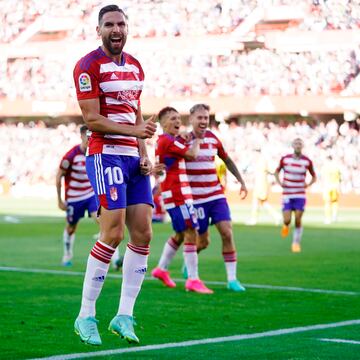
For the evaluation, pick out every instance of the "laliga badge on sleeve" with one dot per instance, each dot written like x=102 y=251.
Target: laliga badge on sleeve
x=84 y=82
x=113 y=193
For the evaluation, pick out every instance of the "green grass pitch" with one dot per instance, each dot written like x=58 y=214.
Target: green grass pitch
x=37 y=309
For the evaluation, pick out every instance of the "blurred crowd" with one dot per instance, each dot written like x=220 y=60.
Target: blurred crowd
x=250 y=73
x=30 y=154
x=151 y=18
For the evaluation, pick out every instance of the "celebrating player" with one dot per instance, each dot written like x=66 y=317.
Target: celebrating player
x=109 y=83
x=79 y=195
x=177 y=198
x=295 y=167
x=208 y=194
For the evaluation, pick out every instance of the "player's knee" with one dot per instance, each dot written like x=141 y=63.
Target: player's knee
x=226 y=235
x=142 y=236
x=71 y=229
x=112 y=237
x=202 y=243
x=298 y=223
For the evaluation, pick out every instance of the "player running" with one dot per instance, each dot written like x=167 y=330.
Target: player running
x=294 y=166
x=79 y=195
x=208 y=194
x=109 y=83
x=176 y=194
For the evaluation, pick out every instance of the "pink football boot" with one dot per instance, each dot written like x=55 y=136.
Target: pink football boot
x=163 y=276
x=196 y=285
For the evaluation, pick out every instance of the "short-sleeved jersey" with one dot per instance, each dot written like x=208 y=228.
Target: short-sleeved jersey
x=175 y=188
x=77 y=184
x=118 y=87
x=294 y=175
x=203 y=179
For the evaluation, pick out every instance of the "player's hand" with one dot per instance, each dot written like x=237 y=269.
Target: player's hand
x=147 y=129
x=62 y=205
x=145 y=166
x=243 y=191
x=159 y=169
x=185 y=135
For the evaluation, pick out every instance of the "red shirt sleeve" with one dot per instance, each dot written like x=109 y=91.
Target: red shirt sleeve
x=86 y=82
x=281 y=164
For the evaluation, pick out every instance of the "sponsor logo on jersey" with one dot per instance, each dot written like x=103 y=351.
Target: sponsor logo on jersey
x=141 y=270
x=84 y=82
x=113 y=193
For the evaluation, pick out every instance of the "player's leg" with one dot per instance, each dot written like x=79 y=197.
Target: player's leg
x=74 y=212
x=220 y=216
x=111 y=199
x=286 y=211
x=193 y=283
x=299 y=206
x=138 y=222
x=334 y=204
x=327 y=207
x=170 y=248
x=254 y=210
x=273 y=213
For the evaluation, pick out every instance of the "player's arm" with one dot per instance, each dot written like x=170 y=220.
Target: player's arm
x=313 y=175
x=90 y=109
x=193 y=151
x=145 y=163
x=277 y=173
x=59 y=175
x=231 y=166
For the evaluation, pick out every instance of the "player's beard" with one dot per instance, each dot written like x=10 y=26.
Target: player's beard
x=109 y=46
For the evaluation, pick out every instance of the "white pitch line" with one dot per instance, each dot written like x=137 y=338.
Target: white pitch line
x=341 y=341
x=203 y=341
x=254 y=286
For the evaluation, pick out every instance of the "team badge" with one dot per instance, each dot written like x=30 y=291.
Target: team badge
x=84 y=82
x=113 y=193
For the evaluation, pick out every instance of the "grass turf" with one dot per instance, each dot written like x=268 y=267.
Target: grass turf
x=38 y=310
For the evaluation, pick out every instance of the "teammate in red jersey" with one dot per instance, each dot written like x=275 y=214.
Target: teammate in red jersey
x=208 y=194
x=176 y=194
x=294 y=166
x=109 y=83
x=79 y=195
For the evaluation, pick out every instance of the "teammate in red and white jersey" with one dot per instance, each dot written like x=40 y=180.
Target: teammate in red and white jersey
x=176 y=194
x=108 y=84
x=208 y=194
x=79 y=195
x=294 y=167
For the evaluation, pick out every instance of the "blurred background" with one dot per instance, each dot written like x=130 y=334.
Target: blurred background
x=271 y=70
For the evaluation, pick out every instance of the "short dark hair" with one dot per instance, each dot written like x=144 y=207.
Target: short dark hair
x=197 y=107
x=109 y=8
x=165 y=110
x=83 y=129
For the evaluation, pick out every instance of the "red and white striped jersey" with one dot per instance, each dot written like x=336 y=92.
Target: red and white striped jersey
x=175 y=188
x=295 y=169
x=118 y=87
x=77 y=184
x=203 y=179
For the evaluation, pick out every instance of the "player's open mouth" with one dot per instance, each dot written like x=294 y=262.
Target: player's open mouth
x=116 y=41
x=202 y=127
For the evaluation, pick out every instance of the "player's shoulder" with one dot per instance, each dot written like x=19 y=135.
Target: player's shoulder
x=71 y=153
x=306 y=158
x=90 y=60
x=130 y=59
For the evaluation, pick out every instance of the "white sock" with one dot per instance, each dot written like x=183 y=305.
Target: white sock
x=230 y=265
x=297 y=235
x=169 y=251
x=68 y=241
x=134 y=270
x=96 y=270
x=191 y=261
